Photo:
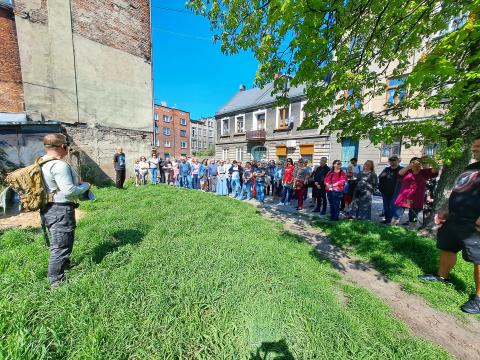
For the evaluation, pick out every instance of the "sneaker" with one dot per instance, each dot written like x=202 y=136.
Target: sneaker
x=433 y=278
x=281 y=204
x=288 y=203
x=472 y=306
x=300 y=209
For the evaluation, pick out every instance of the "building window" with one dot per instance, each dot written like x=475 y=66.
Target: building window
x=259 y=120
x=225 y=128
x=239 y=124
x=167 y=118
x=204 y=132
x=183 y=121
x=239 y=154
x=166 y=131
x=183 y=155
x=388 y=150
x=210 y=133
x=166 y=155
x=183 y=133
x=167 y=143
x=430 y=150
x=183 y=144
x=349 y=101
x=225 y=154
x=283 y=115
x=210 y=124
x=194 y=131
x=395 y=91
x=156 y=116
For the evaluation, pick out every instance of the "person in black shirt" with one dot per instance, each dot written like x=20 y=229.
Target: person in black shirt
x=460 y=228
x=319 y=192
x=119 y=165
x=387 y=183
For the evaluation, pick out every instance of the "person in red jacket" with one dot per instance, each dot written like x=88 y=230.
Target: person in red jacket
x=287 y=182
x=334 y=184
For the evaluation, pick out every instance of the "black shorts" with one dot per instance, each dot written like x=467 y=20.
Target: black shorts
x=455 y=236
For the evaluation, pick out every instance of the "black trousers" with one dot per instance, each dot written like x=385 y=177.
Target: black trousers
x=120 y=178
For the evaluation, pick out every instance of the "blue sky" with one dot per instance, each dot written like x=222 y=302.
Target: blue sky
x=190 y=72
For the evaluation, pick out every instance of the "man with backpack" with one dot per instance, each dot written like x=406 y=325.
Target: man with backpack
x=58 y=214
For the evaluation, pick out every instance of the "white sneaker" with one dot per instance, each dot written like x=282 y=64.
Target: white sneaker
x=281 y=203
x=288 y=204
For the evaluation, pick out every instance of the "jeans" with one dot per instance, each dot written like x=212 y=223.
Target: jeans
x=334 y=199
x=301 y=196
x=236 y=188
x=260 y=189
x=153 y=175
x=120 y=178
x=60 y=220
x=229 y=185
x=389 y=209
x=195 y=182
x=247 y=187
x=162 y=176
x=277 y=188
x=286 y=194
x=184 y=181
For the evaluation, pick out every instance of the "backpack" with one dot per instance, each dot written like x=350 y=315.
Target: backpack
x=28 y=183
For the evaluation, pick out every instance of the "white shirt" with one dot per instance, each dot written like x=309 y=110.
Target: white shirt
x=61 y=179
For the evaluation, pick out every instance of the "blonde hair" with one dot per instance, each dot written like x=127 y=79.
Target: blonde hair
x=54 y=140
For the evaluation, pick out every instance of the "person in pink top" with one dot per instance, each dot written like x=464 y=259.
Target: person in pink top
x=412 y=191
x=334 y=184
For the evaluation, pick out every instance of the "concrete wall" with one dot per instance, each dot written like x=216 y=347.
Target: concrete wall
x=11 y=90
x=89 y=65
x=94 y=147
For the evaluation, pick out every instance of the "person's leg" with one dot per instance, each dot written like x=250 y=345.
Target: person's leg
x=323 y=200
x=301 y=197
x=387 y=200
x=154 y=175
x=61 y=222
x=124 y=173
x=337 y=198
x=117 y=178
x=330 y=202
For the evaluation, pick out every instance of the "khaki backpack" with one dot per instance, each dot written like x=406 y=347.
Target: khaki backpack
x=28 y=183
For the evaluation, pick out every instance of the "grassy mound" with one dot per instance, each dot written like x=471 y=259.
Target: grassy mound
x=162 y=273
x=402 y=255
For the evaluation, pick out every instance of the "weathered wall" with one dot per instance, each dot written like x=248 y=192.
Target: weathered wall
x=95 y=146
x=94 y=54
x=11 y=90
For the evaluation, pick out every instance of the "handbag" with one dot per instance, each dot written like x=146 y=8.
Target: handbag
x=299 y=184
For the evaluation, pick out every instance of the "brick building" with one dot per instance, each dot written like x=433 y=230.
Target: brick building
x=203 y=133
x=11 y=88
x=86 y=64
x=172 y=128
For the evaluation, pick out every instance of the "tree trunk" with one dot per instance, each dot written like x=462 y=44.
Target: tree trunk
x=445 y=184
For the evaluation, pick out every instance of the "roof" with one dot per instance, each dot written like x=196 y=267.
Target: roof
x=6 y=4
x=256 y=97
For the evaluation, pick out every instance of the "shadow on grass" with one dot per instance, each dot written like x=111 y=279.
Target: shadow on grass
x=387 y=247
x=275 y=350
x=119 y=238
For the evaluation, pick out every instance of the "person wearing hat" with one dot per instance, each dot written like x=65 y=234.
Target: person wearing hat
x=388 y=181
x=63 y=188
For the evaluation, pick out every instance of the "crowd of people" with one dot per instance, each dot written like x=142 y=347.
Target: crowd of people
x=346 y=191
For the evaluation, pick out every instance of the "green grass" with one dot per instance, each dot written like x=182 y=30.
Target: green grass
x=402 y=255
x=163 y=273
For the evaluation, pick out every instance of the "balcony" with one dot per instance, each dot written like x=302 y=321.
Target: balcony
x=256 y=135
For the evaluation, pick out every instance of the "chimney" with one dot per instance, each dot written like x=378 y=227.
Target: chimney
x=163 y=103
x=242 y=87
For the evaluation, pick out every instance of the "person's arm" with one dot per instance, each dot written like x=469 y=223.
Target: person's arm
x=404 y=170
x=62 y=175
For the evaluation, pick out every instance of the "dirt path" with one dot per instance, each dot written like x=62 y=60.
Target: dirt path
x=28 y=220
x=460 y=339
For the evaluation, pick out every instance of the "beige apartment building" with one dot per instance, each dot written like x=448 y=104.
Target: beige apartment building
x=250 y=126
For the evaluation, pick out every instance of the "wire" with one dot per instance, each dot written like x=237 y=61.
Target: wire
x=184 y=11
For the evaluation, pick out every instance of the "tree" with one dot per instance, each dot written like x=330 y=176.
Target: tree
x=343 y=51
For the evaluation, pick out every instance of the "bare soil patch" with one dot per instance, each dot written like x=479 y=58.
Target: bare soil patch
x=28 y=220
x=459 y=338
